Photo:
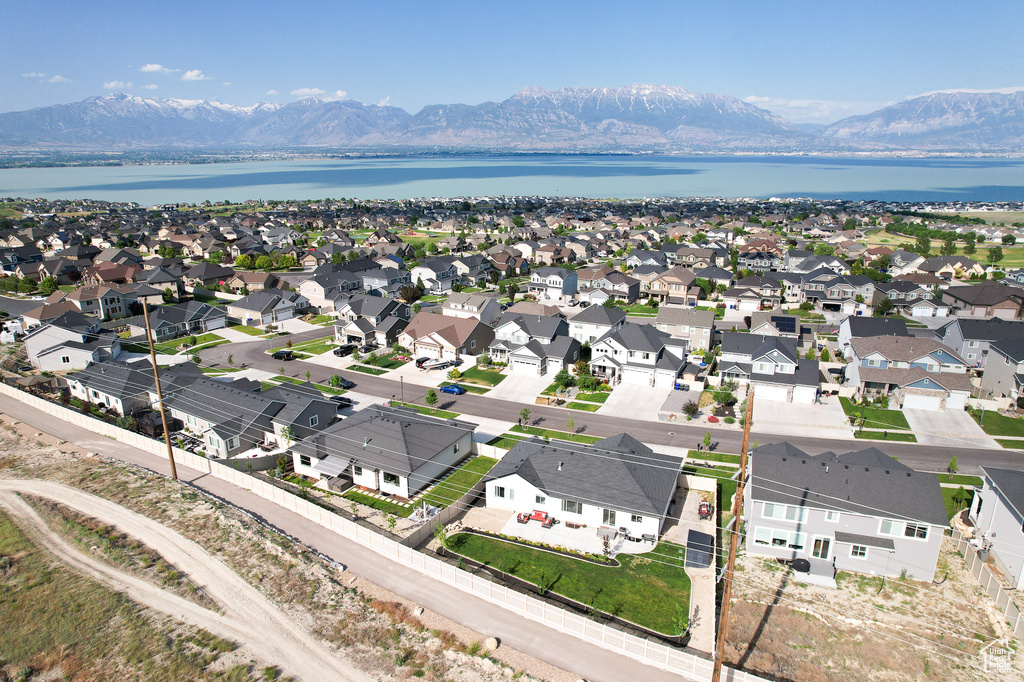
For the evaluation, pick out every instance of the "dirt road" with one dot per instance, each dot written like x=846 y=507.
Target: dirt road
x=249 y=618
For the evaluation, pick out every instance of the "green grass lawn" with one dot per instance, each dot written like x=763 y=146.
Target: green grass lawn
x=484 y=377
x=251 y=331
x=470 y=388
x=506 y=441
x=900 y=436
x=1011 y=444
x=714 y=457
x=387 y=362
x=586 y=407
x=593 y=397
x=961 y=480
x=323 y=388
x=322 y=319
x=951 y=507
x=996 y=424
x=367 y=370
x=648 y=589
x=556 y=435
x=876 y=417
x=382 y=505
x=461 y=480
x=432 y=411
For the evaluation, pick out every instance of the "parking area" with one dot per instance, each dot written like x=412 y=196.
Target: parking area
x=823 y=420
x=635 y=402
x=521 y=387
x=949 y=428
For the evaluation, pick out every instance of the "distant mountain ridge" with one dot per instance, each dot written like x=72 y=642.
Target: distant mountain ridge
x=634 y=118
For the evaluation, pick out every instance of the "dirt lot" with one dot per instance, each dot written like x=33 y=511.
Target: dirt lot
x=866 y=629
x=371 y=630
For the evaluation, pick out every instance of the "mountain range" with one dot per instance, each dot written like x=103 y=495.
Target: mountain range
x=635 y=118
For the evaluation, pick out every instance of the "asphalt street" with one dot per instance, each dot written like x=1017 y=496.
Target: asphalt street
x=920 y=457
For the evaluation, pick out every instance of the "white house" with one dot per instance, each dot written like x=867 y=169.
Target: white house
x=553 y=283
x=638 y=354
x=71 y=341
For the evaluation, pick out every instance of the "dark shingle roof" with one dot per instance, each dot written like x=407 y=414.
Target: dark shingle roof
x=1010 y=485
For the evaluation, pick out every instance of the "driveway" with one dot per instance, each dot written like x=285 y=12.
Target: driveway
x=824 y=420
x=521 y=387
x=949 y=428
x=634 y=401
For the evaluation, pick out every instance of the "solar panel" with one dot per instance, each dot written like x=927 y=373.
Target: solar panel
x=786 y=325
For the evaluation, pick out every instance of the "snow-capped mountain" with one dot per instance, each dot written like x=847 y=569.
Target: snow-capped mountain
x=954 y=121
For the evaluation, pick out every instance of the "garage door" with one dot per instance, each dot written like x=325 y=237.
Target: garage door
x=519 y=365
x=637 y=377
x=664 y=380
x=804 y=394
x=956 y=401
x=432 y=352
x=921 y=402
x=778 y=393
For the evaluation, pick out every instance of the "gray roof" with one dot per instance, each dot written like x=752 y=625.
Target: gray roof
x=536 y=326
x=876 y=326
x=1010 y=486
x=865 y=540
x=993 y=329
x=756 y=345
x=618 y=472
x=696 y=317
x=1011 y=348
x=598 y=314
x=639 y=337
x=866 y=482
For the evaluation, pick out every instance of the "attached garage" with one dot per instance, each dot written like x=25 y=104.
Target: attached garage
x=916 y=401
x=748 y=304
x=636 y=376
x=805 y=394
x=772 y=392
x=527 y=365
x=957 y=400
x=427 y=351
x=665 y=379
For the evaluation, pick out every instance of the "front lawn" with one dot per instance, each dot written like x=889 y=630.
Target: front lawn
x=593 y=397
x=381 y=505
x=470 y=388
x=386 y=362
x=459 y=482
x=505 y=442
x=556 y=435
x=586 y=407
x=995 y=424
x=1011 y=444
x=651 y=590
x=900 y=436
x=973 y=481
x=714 y=457
x=952 y=507
x=485 y=377
x=431 y=411
x=367 y=370
x=876 y=417
x=251 y=331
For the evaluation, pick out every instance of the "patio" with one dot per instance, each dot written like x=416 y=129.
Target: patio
x=583 y=539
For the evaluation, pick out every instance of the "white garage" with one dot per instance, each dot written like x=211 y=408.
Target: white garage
x=805 y=394
x=772 y=392
x=636 y=376
x=527 y=365
x=916 y=401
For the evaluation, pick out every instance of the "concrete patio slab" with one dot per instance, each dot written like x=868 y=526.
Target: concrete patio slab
x=949 y=428
x=581 y=539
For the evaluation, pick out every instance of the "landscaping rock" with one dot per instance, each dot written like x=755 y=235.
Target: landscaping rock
x=418 y=611
x=492 y=643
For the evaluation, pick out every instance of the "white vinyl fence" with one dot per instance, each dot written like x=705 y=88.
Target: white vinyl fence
x=990 y=584
x=649 y=652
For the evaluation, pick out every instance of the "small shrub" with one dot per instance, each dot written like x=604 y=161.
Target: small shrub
x=729 y=420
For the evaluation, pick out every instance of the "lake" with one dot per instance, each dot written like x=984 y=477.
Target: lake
x=595 y=176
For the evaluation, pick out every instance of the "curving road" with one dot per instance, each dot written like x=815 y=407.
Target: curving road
x=249 y=618
x=921 y=457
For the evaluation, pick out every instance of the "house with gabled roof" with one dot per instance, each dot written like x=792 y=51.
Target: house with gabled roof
x=695 y=326
x=533 y=344
x=972 y=338
x=638 y=354
x=772 y=365
x=179 y=319
x=916 y=372
x=856 y=327
x=447 y=338
x=392 y=450
x=365 y=319
x=71 y=341
x=266 y=307
x=593 y=322
x=860 y=511
x=754 y=293
x=997 y=515
x=483 y=308
x=677 y=285
x=1004 y=369
x=553 y=283
x=618 y=484
x=988 y=299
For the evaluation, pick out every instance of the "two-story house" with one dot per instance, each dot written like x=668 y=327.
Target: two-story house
x=675 y=286
x=593 y=322
x=860 y=511
x=917 y=372
x=553 y=284
x=754 y=293
x=474 y=269
x=772 y=365
x=856 y=327
x=972 y=338
x=483 y=308
x=1004 y=369
x=446 y=338
x=266 y=307
x=616 y=285
x=534 y=344
x=694 y=326
x=638 y=354
x=371 y=319
x=437 y=275
x=70 y=341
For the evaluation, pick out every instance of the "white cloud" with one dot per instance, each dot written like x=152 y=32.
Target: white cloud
x=336 y=95
x=813 y=110
x=307 y=92
x=34 y=74
x=151 y=86
x=273 y=92
x=157 y=68
x=58 y=79
x=116 y=85
x=195 y=75
x=384 y=101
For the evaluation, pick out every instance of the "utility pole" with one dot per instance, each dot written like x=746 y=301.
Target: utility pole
x=737 y=507
x=159 y=393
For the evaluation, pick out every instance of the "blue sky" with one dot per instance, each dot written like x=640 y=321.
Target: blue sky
x=807 y=61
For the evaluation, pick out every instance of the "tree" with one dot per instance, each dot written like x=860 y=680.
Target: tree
x=948 y=247
x=884 y=306
x=440 y=535
x=264 y=263
x=995 y=254
x=511 y=289
x=47 y=286
x=431 y=397
x=1009 y=240
x=454 y=374
x=707 y=439
x=923 y=245
x=609 y=303
x=570 y=425
x=287 y=261
x=353 y=255
x=335 y=380
x=217 y=257
x=287 y=437
x=410 y=293
x=27 y=285
x=168 y=295
x=231 y=359
x=969 y=243
x=952 y=467
x=826 y=356
x=563 y=379
x=244 y=262
x=524 y=415
x=337 y=257
x=810 y=354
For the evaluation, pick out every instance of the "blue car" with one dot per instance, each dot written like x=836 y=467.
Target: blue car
x=454 y=389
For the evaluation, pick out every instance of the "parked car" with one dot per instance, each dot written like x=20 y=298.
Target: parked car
x=573 y=303
x=422 y=361
x=342 y=351
x=584 y=304
x=283 y=355
x=345 y=383
x=368 y=348
x=454 y=389
x=342 y=401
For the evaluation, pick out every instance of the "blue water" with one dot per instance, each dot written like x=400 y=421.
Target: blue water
x=623 y=177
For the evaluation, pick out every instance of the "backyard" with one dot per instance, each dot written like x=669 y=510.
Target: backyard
x=651 y=590
x=379 y=504
x=459 y=482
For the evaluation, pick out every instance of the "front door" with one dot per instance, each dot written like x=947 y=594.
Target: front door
x=821 y=548
x=609 y=517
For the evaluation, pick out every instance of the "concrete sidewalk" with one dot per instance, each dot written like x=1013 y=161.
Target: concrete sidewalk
x=562 y=650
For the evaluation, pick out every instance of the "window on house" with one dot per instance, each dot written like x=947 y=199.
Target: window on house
x=832 y=516
x=916 y=530
x=776 y=537
x=636 y=518
x=357 y=470
x=390 y=479
x=304 y=460
x=540 y=499
x=456 y=448
x=314 y=420
x=785 y=512
x=65 y=359
x=890 y=527
x=499 y=491
x=858 y=552
x=571 y=507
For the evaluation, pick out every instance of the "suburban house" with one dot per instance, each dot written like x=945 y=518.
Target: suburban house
x=971 y=338
x=988 y=299
x=437 y=275
x=483 y=308
x=772 y=365
x=754 y=293
x=919 y=373
x=103 y=301
x=446 y=338
x=1004 y=369
x=677 y=286
x=252 y=281
x=860 y=511
x=593 y=322
x=553 y=283
x=904 y=262
x=618 y=285
x=856 y=327
x=692 y=325
x=759 y=261
x=997 y=513
x=838 y=293
x=474 y=269
x=778 y=323
x=266 y=306
x=127 y=389
x=371 y=319
x=324 y=288
x=692 y=258
x=394 y=451
x=638 y=354
x=534 y=344
x=179 y=319
x=952 y=267
x=71 y=341
x=616 y=484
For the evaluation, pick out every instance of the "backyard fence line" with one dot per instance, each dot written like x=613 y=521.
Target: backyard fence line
x=990 y=584
x=638 y=648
